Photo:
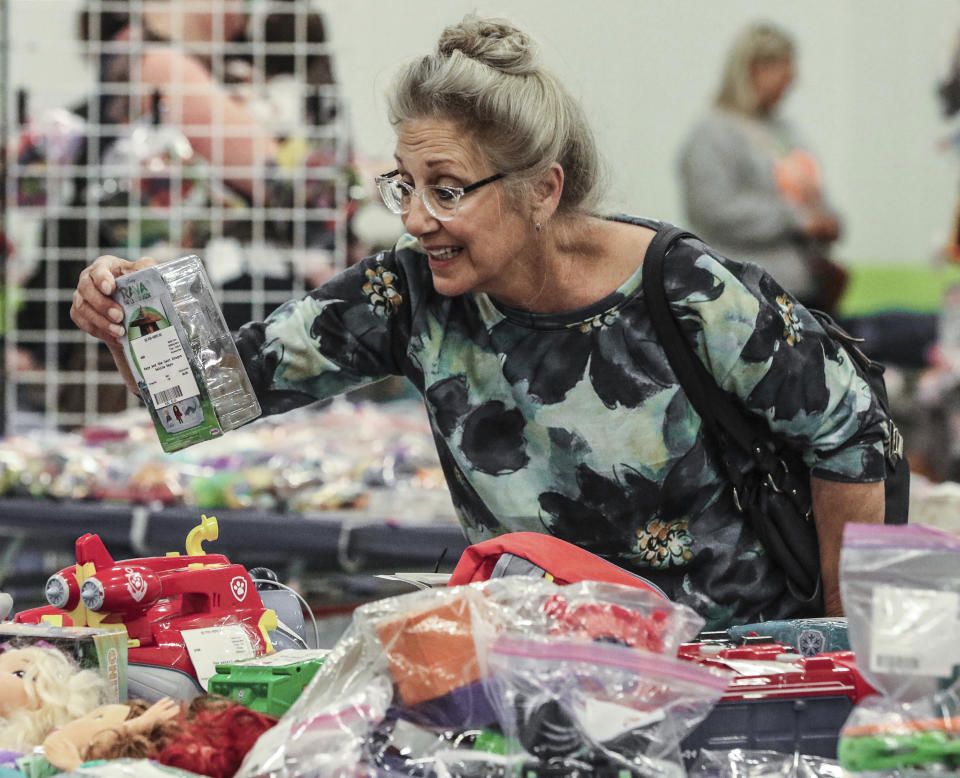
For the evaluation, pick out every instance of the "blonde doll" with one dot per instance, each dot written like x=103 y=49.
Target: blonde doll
x=42 y=689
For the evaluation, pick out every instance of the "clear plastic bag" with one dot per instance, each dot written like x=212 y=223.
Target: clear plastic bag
x=901 y=593
x=742 y=763
x=592 y=709
x=901 y=590
x=883 y=736
x=408 y=687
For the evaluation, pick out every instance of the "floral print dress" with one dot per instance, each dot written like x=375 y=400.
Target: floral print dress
x=573 y=423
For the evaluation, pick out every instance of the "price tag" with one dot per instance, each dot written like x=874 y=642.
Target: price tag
x=165 y=367
x=211 y=646
x=914 y=631
x=289 y=656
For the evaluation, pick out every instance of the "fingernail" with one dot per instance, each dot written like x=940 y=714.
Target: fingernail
x=116 y=329
x=116 y=314
x=106 y=287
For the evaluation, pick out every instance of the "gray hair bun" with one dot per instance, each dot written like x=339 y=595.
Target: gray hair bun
x=494 y=42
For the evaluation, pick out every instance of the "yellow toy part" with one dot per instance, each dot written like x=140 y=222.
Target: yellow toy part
x=207 y=529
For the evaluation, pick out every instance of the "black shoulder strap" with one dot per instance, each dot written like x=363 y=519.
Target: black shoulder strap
x=792 y=543
x=715 y=407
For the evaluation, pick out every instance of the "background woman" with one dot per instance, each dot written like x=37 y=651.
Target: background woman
x=751 y=188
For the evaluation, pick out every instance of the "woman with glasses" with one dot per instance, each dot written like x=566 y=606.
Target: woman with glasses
x=517 y=311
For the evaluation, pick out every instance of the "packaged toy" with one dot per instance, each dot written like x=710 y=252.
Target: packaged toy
x=182 y=355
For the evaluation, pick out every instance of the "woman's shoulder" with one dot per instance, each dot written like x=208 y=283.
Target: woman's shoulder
x=402 y=266
x=716 y=126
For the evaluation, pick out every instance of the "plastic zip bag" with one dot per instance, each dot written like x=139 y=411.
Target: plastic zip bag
x=743 y=763
x=901 y=593
x=901 y=590
x=407 y=688
x=594 y=708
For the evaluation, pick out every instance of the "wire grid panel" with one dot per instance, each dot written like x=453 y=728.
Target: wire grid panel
x=168 y=127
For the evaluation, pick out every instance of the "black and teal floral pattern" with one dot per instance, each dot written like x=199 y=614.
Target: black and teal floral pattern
x=381 y=291
x=573 y=423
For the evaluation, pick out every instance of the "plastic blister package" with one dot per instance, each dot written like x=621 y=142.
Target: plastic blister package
x=182 y=354
x=212 y=344
x=415 y=687
x=743 y=763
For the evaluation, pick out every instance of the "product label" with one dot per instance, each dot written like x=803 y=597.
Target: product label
x=160 y=355
x=165 y=367
x=212 y=646
x=289 y=656
x=603 y=721
x=914 y=631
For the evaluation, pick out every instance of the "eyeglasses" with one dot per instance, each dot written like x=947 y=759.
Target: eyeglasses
x=443 y=202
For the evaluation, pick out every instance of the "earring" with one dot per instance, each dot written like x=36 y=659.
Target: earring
x=538 y=227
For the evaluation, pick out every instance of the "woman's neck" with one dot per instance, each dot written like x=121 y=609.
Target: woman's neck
x=584 y=260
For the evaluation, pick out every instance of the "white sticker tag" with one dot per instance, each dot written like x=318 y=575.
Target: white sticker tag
x=164 y=366
x=211 y=646
x=289 y=656
x=603 y=721
x=914 y=631
x=754 y=667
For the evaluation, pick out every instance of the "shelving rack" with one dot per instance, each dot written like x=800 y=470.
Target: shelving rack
x=79 y=184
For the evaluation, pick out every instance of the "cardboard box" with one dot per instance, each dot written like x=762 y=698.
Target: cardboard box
x=102 y=650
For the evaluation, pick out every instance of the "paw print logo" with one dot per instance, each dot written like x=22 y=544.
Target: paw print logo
x=136 y=585
x=238 y=585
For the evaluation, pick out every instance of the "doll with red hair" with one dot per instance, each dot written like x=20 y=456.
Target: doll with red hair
x=209 y=736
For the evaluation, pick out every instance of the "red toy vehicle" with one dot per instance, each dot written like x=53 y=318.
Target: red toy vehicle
x=780 y=700
x=775 y=670
x=156 y=600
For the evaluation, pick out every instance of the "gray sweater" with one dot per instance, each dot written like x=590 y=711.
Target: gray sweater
x=731 y=199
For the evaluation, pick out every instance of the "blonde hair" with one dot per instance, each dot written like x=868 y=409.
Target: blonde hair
x=57 y=691
x=761 y=42
x=485 y=75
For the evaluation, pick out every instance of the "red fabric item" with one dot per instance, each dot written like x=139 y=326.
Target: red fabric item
x=563 y=561
x=214 y=743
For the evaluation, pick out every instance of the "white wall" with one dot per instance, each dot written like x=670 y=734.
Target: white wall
x=645 y=69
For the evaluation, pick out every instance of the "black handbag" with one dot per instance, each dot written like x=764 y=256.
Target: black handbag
x=773 y=494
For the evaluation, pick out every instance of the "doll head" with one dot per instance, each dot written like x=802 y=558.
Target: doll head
x=41 y=689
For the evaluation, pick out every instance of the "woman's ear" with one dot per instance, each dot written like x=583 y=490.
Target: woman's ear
x=547 y=192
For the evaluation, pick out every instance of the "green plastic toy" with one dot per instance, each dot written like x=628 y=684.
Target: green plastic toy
x=268 y=684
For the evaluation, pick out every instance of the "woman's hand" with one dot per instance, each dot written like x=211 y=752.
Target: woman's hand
x=823 y=225
x=93 y=311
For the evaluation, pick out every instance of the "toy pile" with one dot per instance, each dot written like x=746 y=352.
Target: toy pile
x=378 y=458
x=192 y=665
x=514 y=675
x=118 y=665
